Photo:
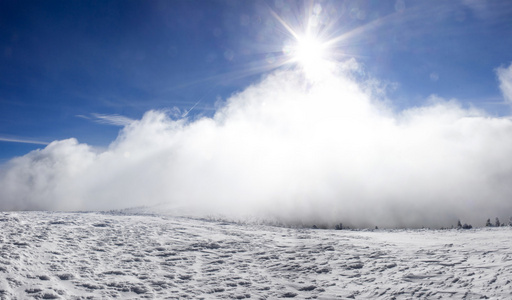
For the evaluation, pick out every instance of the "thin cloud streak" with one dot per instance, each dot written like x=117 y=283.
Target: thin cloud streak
x=113 y=119
x=23 y=141
x=108 y=119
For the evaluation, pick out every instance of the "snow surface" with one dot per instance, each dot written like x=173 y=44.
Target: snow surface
x=49 y=255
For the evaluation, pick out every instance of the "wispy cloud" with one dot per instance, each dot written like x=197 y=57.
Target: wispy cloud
x=108 y=119
x=505 y=79
x=22 y=140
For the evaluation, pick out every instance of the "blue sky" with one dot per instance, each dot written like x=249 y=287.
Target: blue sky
x=83 y=68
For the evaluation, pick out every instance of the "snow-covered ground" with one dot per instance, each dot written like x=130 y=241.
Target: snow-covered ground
x=100 y=256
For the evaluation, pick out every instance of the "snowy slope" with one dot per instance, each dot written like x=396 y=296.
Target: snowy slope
x=99 y=256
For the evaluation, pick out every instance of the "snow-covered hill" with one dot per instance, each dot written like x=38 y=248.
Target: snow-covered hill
x=100 y=256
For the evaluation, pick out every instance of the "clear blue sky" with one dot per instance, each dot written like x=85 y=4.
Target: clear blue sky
x=72 y=68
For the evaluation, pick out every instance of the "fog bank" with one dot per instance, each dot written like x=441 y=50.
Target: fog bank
x=291 y=150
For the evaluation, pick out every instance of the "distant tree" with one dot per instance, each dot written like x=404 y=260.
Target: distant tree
x=488 y=223
x=510 y=222
x=459 y=225
x=498 y=224
x=467 y=226
x=339 y=226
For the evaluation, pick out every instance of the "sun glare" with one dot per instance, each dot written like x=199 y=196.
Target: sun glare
x=311 y=55
x=309 y=42
x=308 y=51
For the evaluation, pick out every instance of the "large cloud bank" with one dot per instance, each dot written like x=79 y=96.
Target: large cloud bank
x=290 y=150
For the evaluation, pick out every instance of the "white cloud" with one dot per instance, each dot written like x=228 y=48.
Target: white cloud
x=505 y=79
x=288 y=150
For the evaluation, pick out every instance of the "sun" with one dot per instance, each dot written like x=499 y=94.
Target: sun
x=311 y=55
x=312 y=42
x=309 y=51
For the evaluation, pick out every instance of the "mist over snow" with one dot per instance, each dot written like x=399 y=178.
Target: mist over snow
x=292 y=150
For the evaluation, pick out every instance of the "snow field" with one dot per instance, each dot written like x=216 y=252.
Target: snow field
x=45 y=255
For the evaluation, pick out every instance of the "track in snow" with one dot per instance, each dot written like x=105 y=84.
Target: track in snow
x=48 y=255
